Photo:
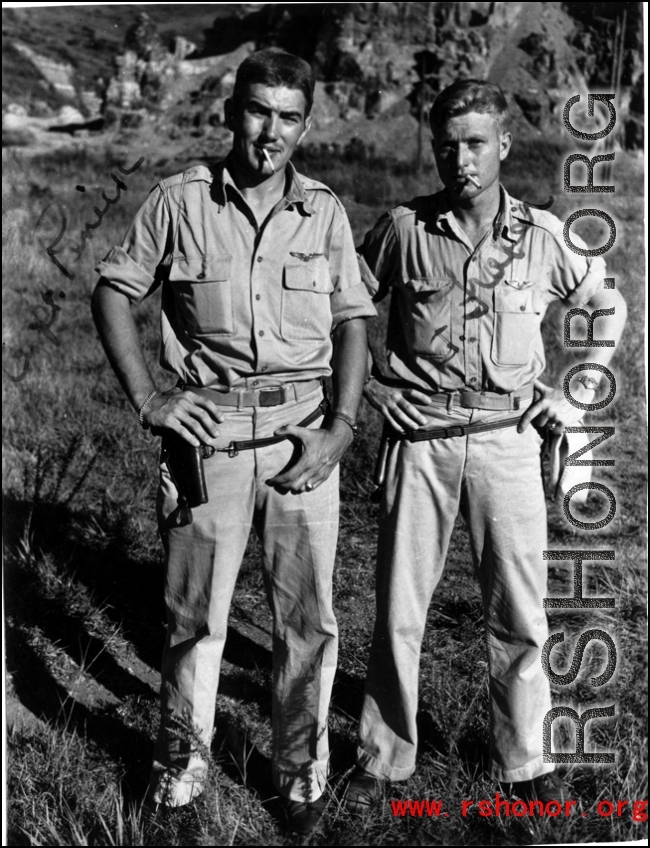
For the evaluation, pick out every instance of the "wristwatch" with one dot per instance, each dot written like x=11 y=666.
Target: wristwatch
x=348 y=420
x=588 y=382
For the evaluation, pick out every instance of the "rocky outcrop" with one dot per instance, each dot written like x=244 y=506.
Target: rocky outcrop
x=373 y=56
x=60 y=76
x=152 y=82
x=375 y=61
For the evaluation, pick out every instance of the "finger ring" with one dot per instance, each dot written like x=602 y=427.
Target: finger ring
x=309 y=486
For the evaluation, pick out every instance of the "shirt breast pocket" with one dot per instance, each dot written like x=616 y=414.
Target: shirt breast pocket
x=517 y=320
x=429 y=316
x=202 y=289
x=306 y=310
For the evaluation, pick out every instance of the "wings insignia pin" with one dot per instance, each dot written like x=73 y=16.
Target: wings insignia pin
x=305 y=257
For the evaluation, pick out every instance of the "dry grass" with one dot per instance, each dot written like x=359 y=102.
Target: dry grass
x=84 y=574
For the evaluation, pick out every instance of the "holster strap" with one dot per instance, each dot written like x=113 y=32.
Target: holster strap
x=269 y=396
x=235 y=447
x=453 y=432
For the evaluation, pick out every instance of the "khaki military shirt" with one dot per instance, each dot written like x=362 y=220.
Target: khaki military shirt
x=465 y=318
x=244 y=305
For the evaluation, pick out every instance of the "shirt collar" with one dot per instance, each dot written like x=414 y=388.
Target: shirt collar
x=502 y=222
x=294 y=194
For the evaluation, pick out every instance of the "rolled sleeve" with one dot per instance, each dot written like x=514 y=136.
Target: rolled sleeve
x=350 y=298
x=379 y=258
x=131 y=268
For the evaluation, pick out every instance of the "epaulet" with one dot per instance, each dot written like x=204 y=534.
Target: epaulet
x=541 y=218
x=314 y=185
x=193 y=174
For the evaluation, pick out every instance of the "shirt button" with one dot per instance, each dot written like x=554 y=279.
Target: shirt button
x=314 y=284
x=261 y=333
x=472 y=339
x=258 y=297
x=264 y=367
x=472 y=379
x=522 y=308
x=462 y=338
x=256 y=383
x=200 y=276
x=260 y=259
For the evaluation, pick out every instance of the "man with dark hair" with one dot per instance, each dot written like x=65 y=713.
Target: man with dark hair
x=261 y=300
x=472 y=271
x=275 y=68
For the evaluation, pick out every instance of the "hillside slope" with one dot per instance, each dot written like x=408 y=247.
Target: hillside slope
x=162 y=72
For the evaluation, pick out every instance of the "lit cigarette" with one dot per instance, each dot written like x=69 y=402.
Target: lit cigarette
x=268 y=159
x=473 y=180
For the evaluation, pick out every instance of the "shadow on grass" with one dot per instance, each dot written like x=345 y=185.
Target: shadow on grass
x=68 y=590
x=58 y=589
x=45 y=697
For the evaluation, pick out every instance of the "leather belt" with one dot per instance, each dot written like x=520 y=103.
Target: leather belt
x=454 y=431
x=269 y=396
x=483 y=400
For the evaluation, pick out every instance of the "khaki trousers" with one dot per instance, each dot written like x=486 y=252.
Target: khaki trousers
x=298 y=535
x=495 y=480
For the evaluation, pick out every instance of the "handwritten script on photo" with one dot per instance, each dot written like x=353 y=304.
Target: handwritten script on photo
x=44 y=319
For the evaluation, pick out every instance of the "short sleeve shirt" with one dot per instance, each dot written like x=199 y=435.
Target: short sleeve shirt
x=242 y=304
x=467 y=318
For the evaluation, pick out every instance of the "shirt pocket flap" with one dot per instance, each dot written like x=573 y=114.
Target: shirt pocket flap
x=202 y=269
x=426 y=286
x=313 y=276
x=515 y=297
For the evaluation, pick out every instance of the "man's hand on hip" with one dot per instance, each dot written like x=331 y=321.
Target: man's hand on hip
x=553 y=411
x=190 y=414
x=396 y=405
x=321 y=451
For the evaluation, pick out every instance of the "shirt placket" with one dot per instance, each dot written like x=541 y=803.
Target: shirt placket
x=471 y=306
x=261 y=281
x=474 y=309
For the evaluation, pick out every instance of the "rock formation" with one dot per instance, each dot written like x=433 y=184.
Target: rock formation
x=381 y=60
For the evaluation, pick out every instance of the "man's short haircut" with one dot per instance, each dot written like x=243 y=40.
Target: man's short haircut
x=275 y=67
x=469 y=95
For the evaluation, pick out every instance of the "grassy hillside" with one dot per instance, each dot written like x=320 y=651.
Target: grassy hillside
x=84 y=568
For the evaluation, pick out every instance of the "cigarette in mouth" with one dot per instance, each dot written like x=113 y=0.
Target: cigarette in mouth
x=473 y=180
x=268 y=159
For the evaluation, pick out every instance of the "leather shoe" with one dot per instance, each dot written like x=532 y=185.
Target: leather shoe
x=303 y=816
x=364 y=789
x=545 y=788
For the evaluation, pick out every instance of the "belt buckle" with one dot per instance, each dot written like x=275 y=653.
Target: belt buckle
x=452 y=432
x=272 y=397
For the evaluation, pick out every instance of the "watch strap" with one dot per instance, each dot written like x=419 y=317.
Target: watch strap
x=348 y=420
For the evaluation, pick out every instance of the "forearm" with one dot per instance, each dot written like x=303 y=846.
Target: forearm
x=119 y=336
x=349 y=365
x=606 y=327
